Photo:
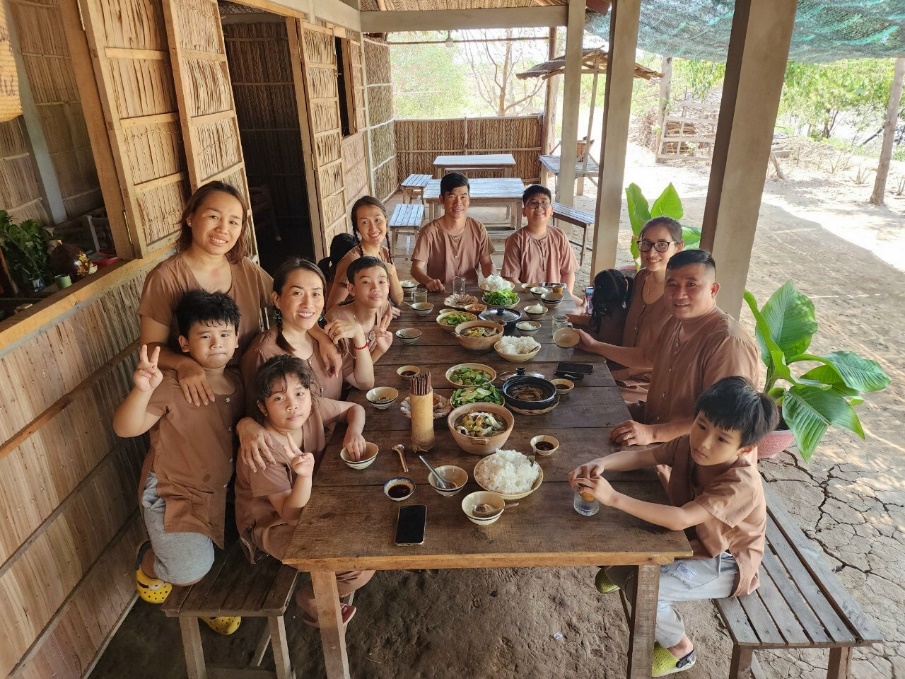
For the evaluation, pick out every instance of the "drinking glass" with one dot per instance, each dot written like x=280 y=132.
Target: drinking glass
x=559 y=321
x=458 y=285
x=420 y=294
x=586 y=507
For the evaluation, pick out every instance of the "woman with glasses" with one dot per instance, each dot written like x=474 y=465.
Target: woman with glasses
x=537 y=252
x=659 y=240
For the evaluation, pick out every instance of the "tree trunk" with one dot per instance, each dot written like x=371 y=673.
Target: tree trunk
x=889 y=130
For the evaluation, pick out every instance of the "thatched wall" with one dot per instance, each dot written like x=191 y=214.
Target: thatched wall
x=48 y=69
x=418 y=142
x=20 y=189
x=380 y=119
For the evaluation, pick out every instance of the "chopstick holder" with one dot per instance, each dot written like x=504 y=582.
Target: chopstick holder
x=423 y=421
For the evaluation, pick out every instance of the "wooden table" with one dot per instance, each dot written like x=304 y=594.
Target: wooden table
x=504 y=162
x=552 y=165
x=506 y=192
x=349 y=523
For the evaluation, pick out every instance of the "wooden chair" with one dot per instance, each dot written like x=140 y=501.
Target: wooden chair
x=407 y=218
x=578 y=218
x=800 y=603
x=235 y=587
x=413 y=186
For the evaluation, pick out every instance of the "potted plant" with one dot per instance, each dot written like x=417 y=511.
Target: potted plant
x=667 y=204
x=25 y=250
x=824 y=391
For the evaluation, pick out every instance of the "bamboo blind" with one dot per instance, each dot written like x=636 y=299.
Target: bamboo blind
x=418 y=142
x=20 y=192
x=356 y=168
x=380 y=119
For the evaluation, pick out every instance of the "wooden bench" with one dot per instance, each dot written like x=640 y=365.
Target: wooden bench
x=406 y=217
x=800 y=603
x=578 y=218
x=235 y=587
x=413 y=186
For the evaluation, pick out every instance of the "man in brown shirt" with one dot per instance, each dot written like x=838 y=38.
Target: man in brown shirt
x=454 y=245
x=699 y=345
x=717 y=499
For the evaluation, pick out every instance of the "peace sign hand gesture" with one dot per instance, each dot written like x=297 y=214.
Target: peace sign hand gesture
x=147 y=376
x=383 y=337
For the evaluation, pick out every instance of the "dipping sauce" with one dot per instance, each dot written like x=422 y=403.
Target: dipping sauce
x=408 y=373
x=544 y=446
x=399 y=491
x=562 y=387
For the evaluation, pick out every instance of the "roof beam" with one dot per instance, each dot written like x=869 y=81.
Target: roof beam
x=460 y=19
x=332 y=11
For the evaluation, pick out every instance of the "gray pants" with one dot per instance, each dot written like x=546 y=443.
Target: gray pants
x=179 y=558
x=682 y=580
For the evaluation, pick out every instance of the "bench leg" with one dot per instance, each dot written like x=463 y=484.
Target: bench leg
x=281 y=661
x=333 y=637
x=584 y=243
x=740 y=667
x=840 y=663
x=644 y=617
x=191 y=643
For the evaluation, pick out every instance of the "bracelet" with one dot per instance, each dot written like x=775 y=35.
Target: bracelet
x=366 y=346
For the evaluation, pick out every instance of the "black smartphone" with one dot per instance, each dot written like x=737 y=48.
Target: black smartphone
x=580 y=368
x=410 y=525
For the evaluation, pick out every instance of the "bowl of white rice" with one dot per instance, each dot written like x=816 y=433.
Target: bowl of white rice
x=509 y=473
x=517 y=349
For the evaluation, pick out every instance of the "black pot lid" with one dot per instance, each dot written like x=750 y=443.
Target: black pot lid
x=500 y=315
x=503 y=376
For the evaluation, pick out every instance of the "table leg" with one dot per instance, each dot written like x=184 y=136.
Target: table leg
x=333 y=636
x=644 y=617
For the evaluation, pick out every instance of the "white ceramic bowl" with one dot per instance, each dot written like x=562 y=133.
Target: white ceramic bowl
x=535 y=315
x=551 y=440
x=563 y=386
x=456 y=476
x=408 y=335
x=423 y=308
x=539 y=290
x=486 y=369
x=517 y=358
x=566 y=338
x=462 y=314
x=551 y=299
x=509 y=496
x=528 y=327
x=396 y=481
x=382 y=397
x=371 y=451
x=483 y=497
x=408 y=284
x=407 y=379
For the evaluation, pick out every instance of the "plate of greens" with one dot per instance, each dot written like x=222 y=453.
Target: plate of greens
x=450 y=319
x=503 y=298
x=483 y=394
x=470 y=375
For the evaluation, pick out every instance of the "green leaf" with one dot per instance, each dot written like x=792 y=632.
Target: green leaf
x=668 y=204
x=859 y=373
x=692 y=237
x=791 y=321
x=638 y=210
x=809 y=411
x=770 y=353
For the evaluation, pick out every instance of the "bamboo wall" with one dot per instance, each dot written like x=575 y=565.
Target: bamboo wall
x=384 y=178
x=418 y=142
x=48 y=68
x=20 y=189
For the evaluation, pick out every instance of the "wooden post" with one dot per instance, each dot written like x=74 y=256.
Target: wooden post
x=587 y=151
x=889 y=128
x=644 y=613
x=755 y=68
x=614 y=137
x=550 y=98
x=333 y=636
x=663 y=105
x=571 y=97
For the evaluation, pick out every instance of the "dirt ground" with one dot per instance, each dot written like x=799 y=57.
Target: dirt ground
x=849 y=257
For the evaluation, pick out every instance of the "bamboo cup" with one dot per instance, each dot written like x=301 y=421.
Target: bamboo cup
x=423 y=421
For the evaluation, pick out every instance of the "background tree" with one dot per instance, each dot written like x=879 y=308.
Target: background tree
x=889 y=130
x=427 y=81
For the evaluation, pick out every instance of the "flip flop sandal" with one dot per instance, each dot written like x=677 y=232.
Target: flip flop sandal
x=151 y=590
x=665 y=663
x=224 y=624
x=346 y=611
x=603 y=584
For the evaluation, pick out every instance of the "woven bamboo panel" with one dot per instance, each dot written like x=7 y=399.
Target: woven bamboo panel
x=132 y=24
x=83 y=203
x=377 y=62
x=63 y=126
x=10 y=104
x=160 y=208
x=319 y=48
x=216 y=146
x=383 y=145
x=142 y=87
x=248 y=62
x=209 y=90
x=355 y=168
x=385 y=180
x=357 y=66
x=90 y=615
x=153 y=150
x=18 y=181
x=194 y=20
x=266 y=106
x=380 y=104
x=50 y=77
x=75 y=172
x=13 y=141
x=272 y=152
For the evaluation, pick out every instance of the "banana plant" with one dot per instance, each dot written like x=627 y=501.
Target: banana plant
x=668 y=204
x=826 y=389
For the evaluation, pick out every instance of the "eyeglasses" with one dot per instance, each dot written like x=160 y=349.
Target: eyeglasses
x=659 y=246
x=534 y=204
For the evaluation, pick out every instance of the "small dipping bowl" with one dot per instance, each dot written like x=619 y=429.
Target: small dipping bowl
x=399 y=488
x=455 y=476
x=539 y=291
x=551 y=299
x=535 y=315
x=566 y=338
x=382 y=397
x=563 y=386
x=555 y=287
x=423 y=308
x=408 y=284
x=371 y=451
x=544 y=445
x=495 y=500
x=408 y=335
x=527 y=327
x=407 y=378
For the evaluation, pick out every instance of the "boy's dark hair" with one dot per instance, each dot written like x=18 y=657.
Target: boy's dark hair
x=339 y=247
x=279 y=368
x=361 y=264
x=687 y=257
x=612 y=290
x=674 y=228
x=533 y=190
x=733 y=403
x=453 y=180
x=200 y=306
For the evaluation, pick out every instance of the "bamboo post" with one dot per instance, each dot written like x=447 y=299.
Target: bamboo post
x=663 y=104
x=889 y=128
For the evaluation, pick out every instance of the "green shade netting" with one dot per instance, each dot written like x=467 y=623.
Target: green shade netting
x=824 y=31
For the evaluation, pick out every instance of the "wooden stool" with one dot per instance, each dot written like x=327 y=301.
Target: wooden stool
x=235 y=587
x=413 y=186
x=578 y=218
x=406 y=217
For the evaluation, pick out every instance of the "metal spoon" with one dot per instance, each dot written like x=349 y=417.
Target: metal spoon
x=444 y=484
x=486 y=510
x=399 y=448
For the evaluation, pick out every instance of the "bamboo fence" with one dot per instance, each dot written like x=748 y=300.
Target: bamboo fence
x=418 y=142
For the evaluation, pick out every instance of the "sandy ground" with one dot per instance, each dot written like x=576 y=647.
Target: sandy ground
x=817 y=230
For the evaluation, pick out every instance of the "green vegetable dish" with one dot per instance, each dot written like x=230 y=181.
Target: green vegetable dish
x=485 y=394
x=469 y=377
x=501 y=297
x=456 y=319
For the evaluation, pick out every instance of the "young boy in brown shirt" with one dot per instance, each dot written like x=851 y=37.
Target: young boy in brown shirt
x=369 y=285
x=182 y=492
x=717 y=499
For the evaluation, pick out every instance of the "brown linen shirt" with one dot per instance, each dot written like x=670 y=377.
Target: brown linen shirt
x=192 y=454
x=257 y=520
x=717 y=347
x=265 y=346
x=438 y=251
x=535 y=260
x=356 y=253
x=733 y=495
x=172 y=278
